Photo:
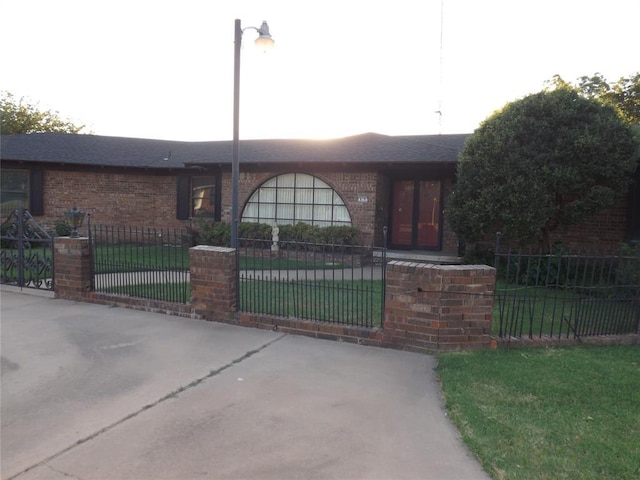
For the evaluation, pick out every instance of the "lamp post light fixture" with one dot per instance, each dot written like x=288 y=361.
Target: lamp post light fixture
x=74 y=219
x=263 y=41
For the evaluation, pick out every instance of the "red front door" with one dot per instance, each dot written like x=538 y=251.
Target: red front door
x=415 y=214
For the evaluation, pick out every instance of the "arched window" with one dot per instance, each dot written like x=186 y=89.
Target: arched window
x=293 y=198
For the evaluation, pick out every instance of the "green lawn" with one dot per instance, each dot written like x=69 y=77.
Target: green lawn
x=539 y=311
x=178 y=292
x=129 y=257
x=357 y=302
x=548 y=413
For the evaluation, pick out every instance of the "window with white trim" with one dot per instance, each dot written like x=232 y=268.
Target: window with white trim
x=293 y=198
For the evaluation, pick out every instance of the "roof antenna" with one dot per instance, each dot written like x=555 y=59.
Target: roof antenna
x=168 y=157
x=439 y=111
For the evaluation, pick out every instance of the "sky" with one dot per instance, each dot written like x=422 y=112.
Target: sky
x=164 y=69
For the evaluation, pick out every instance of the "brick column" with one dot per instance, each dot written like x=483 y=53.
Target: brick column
x=438 y=307
x=214 y=283
x=72 y=267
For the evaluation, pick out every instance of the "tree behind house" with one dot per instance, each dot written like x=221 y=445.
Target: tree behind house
x=19 y=116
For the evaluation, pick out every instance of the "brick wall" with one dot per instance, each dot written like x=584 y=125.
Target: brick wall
x=119 y=199
x=72 y=268
x=428 y=307
x=149 y=200
x=213 y=282
x=438 y=307
x=602 y=232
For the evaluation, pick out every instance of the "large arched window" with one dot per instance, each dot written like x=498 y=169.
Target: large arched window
x=293 y=198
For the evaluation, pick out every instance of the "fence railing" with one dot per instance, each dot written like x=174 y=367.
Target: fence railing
x=566 y=295
x=148 y=263
x=342 y=284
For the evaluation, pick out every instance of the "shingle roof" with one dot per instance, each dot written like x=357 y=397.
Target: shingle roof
x=96 y=150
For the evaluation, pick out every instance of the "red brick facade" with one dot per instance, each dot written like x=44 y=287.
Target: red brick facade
x=602 y=232
x=149 y=199
x=119 y=199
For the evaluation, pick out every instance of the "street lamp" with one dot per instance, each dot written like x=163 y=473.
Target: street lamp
x=263 y=41
x=74 y=219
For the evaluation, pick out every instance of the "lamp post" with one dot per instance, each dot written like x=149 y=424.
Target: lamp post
x=74 y=219
x=264 y=41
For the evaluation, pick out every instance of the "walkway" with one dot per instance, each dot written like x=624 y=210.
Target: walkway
x=90 y=391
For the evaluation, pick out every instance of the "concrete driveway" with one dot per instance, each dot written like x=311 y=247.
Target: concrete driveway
x=93 y=392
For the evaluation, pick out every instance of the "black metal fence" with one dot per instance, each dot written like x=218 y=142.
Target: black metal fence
x=26 y=252
x=341 y=284
x=566 y=295
x=148 y=263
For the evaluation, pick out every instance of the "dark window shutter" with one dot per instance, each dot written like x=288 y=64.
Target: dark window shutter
x=183 y=194
x=36 y=192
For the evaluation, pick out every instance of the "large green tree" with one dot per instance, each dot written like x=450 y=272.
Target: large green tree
x=623 y=95
x=20 y=116
x=552 y=158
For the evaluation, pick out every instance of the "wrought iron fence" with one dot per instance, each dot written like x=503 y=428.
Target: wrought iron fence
x=26 y=253
x=148 y=263
x=562 y=294
x=341 y=284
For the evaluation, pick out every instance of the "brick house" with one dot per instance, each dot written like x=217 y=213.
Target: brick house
x=368 y=181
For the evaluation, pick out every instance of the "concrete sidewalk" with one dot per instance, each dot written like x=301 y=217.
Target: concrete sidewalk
x=95 y=392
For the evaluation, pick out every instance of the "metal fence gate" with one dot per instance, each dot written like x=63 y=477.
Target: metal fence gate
x=26 y=254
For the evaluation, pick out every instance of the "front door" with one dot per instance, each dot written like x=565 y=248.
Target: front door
x=415 y=214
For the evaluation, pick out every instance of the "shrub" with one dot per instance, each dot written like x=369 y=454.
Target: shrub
x=212 y=233
x=479 y=255
x=61 y=228
x=255 y=231
x=339 y=235
x=219 y=233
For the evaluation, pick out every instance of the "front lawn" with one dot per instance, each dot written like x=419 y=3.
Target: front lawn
x=357 y=302
x=537 y=311
x=131 y=258
x=548 y=413
x=353 y=302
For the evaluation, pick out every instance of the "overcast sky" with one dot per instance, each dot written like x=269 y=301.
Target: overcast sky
x=164 y=69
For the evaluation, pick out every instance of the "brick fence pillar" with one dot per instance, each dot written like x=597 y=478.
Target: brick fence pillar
x=438 y=307
x=214 y=283
x=72 y=267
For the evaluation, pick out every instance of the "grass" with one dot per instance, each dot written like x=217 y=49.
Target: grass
x=548 y=413
x=178 y=292
x=112 y=258
x=129 y=257
x=269 y=263
x=536 y=311
x=354 y=302
x=357 y=302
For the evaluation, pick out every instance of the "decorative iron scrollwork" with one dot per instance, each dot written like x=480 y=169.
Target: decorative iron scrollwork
x=26 y=256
